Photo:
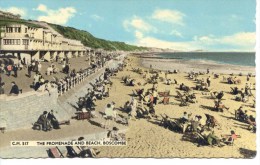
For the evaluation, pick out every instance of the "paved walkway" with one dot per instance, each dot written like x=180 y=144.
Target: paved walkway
x=72 y=131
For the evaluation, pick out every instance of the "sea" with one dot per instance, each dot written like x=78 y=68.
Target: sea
x=233 y=58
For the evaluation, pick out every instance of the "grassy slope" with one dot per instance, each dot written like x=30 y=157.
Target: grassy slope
x=8 y=21
x=89 y=40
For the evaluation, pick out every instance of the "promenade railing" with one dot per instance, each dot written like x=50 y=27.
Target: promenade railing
x=78 y=79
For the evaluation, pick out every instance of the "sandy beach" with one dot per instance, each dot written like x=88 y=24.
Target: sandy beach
x=147 y=139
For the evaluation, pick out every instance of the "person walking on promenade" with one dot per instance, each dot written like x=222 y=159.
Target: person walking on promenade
x=15 y=68
x=29 y=69
x=9 y=69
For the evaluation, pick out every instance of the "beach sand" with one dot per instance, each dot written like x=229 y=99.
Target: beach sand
x=148 y=139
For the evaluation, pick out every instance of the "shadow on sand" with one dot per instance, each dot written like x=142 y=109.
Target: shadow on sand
x=247 y=153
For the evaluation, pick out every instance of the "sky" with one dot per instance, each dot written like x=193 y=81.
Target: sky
x=186 y=25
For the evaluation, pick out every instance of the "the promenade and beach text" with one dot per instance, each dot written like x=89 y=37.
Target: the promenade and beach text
x=68 y=143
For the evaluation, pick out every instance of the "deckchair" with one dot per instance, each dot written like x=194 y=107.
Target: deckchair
x=122 y=120
x=183 y=102
x=178 y=123
x=166 y=93
x=186 y=88
x=55 y=152
x=252 y=125
x=232 y=91
x=200 y=138
x=236 y=115
x=212 y=95
x=179 y=95
x=83 y=115
x=167 y=123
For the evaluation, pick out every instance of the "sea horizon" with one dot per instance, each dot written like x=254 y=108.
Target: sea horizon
x=217 y=57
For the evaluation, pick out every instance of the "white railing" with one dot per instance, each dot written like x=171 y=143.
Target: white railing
x=73 y=81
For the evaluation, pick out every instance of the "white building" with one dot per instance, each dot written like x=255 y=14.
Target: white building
x=38 y=43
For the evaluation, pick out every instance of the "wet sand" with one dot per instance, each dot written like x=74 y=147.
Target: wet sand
x=195 y=65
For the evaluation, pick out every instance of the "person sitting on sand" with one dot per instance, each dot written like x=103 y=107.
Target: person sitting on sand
x=168 y=81
x=235 y=91
x=230 y=80
x=189 y=99
x=132 y=82
x=213 y=139
x=127 y=107
x=184 y=118
x=89 y=103
x=220 y=95
x=244 y=116
x=196 y=123
x=181 y=86
x=242 y=97
x=114 y=135
x=140 y=93
x=219 y=106
x=240 y=114
x=251 y=118
x=146 y=99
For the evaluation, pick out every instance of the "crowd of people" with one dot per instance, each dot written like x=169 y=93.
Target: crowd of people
x=135 y=107
x=41 y=78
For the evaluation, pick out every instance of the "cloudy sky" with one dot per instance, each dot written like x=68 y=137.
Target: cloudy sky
x=214 y=25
